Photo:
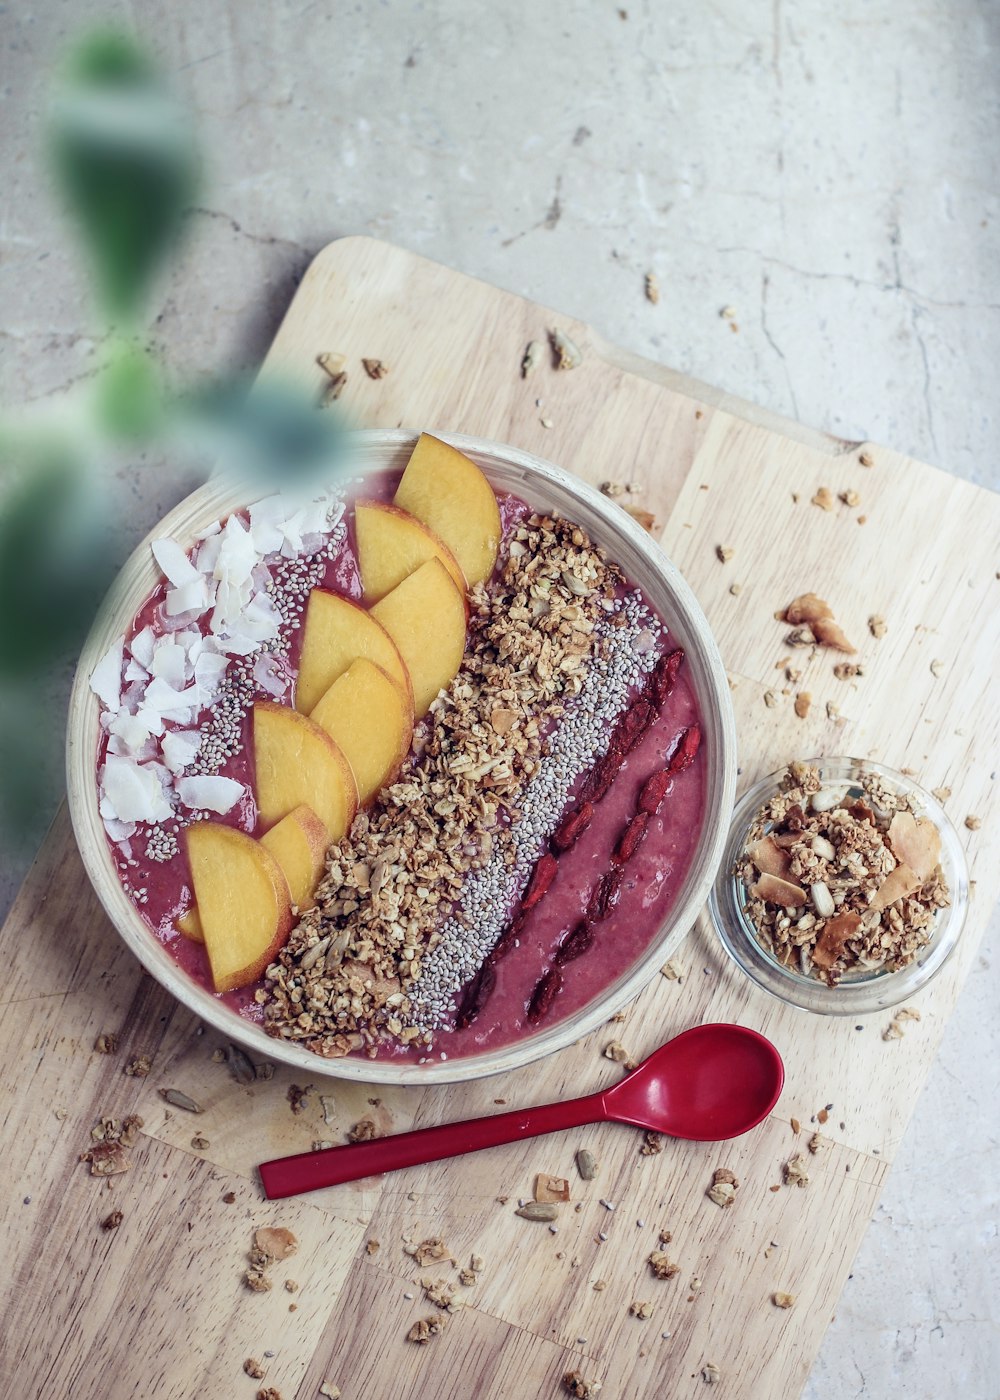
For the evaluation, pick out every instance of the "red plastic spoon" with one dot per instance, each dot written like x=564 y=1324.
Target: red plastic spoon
x=709 y=1083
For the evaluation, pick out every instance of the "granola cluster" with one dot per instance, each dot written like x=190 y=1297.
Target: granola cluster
x=842 y=879
x=344 y=979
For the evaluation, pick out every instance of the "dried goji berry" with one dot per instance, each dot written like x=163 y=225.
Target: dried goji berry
x=476 y=995
x=664 y=673
x=572 y=826
x=685 y=749
x=654 y=789
x=600 y=778
x=544 y=994
x=508 y=938
x=575 y=943
x=631 y=727
x=631 y=838
x=541 y=878
x=605 y=894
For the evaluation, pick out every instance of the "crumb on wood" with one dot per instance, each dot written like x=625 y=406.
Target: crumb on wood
x=662 y=1266
x=106 y=1043
x=972 y=822
x=275 y=1242
x=866 y=459
x=112 y=1221
x=330 y=1391
x=877 y=625
x=724 y=553
x=723 y=1187
x=782 y=1300
x=815 y=1143
x=425 y=1328
x=652 y=1144
x=824 y=499
x=268 y=1392
x=291 y=1286
x=372 y=1246
x=651 y=286
x=641 y=1310
x=230 y=1198
x=430 y=1251
x=575 y=1384
x=895 y=1030
x=615 y=1050
x=139 y=1067
x=850 y=497
x=710 y=1373
x=297 y=1096
x=375 y=369
x=362 y=1131
x=672 y=970
x=550 y=1188
x=254 y=1368
x=794 y=1171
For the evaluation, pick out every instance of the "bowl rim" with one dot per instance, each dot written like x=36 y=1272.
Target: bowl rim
x=212 y=501
x=862 y=996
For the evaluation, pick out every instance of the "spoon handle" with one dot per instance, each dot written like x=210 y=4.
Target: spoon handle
x=308 y=1171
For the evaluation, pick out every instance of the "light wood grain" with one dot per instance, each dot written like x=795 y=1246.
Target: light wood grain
x=158 y=1308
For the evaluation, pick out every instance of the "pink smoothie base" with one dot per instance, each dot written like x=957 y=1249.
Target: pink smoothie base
x=653 y=877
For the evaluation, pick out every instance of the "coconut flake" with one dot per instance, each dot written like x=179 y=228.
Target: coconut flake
x=266 y=520
x=268 y=676
x=192 y=597
x=174 y=562
x=209 y=669
x=135 y=672
x=208 y=553
x=133 y=792
x=131 y=730
x=106 y=677
x=180 y=748
x=211 y=794
x=237 y=555
x=170 y=661
x=118 y=830
x=141 y=646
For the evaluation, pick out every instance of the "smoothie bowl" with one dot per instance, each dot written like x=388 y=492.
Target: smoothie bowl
x=413 y=778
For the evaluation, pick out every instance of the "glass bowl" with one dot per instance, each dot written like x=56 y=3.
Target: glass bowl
x=858 y=993
x=547 y=488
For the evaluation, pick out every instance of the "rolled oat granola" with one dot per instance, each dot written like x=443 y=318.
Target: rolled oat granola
x=841 y=878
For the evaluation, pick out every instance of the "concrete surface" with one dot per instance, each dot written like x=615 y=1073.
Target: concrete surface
x=829 y=173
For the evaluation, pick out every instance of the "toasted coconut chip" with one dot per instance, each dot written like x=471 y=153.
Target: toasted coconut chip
x=898 y=884
x=830 y=943
x=916 y=844
x=776 y=891
x=808 y=607
x=830 y=634
x=769 y=858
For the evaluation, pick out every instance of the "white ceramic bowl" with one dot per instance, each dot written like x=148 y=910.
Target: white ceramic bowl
x=545 y=487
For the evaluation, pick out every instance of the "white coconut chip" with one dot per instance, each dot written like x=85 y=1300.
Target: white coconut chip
x=208 y=554
x=106 y=677
x=131 y=730
x=180 y=747
x=192 y=597
x=174 y=562
x=133 y=792
x=170 y=660
x=117 y=830
x=141 y=647
x=266 y=520
x=212 y=794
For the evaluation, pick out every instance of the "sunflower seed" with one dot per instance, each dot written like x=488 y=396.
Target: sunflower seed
x=537 y=1210
x=241 y=1066
x=180 y=1100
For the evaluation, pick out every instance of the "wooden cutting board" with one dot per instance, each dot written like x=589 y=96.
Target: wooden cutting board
x=157 y=1304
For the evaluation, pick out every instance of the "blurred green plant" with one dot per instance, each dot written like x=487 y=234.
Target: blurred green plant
x=125 y=166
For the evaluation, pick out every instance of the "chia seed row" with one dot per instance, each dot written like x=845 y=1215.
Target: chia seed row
x=489 y=893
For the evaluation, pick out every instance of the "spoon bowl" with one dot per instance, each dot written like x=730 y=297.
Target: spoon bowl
x=709 y=1083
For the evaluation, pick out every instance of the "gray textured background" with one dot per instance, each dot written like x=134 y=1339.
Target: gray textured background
x=829 y=172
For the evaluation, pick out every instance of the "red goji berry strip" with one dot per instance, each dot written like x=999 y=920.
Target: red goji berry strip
x=654 y=789
x=576 y=943
x=476 y=995
x=541 y=878
x=663 y=676
x=545 y=993
x=631 y=839
x=572 y=826
x=685 y=750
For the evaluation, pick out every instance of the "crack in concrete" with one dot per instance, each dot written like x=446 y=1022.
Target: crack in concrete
x=267 y=239
x=764 y=284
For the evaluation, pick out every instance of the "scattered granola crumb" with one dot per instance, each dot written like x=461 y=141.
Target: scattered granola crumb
x=107 y=1158
x=375 y=369
x=876 y=625
x=850 y=497
x=652 y=1144
x=545 y=422
x=199 y=1143
x=973 y=823
x=112 y=1221
x=662 y=1266
x=372 y=1246
x=641 y=1310
x=331 y=363
x=782 y=1300
x=724 y=553
x=847 y=670
x=268 y=1392
x=253 y=1368
x=728 y=313
x=723 y=1188
x=941 y=793
x=803 y=700
x=567 y=355
x=645 y=518
x=230 y=1198
x=815 y=1143
x=672 y=971
x=665 y=1236
x=575 y=1384
x=710 y=1373
x=736 y=589
x=832 y=710
x=429 y=1251
x=770 y=699
x=218 y=1056
x=425 y=1328
x=274 y=1242
x=441 y=1293
x=106 y=1043
x=362 y=1131
x=894 y=1030
x=297 y=1096
x=330 y=1391
x=467 y=1277
x=600 y=1285
x=937 y=668
x=613 y=488
x=139 y=1067
x=614 y=1050
x=824 y=498
x=794 y=1171
x=550 y=1188
x=652 y=287
x=257 y=1281
x=866 y=459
